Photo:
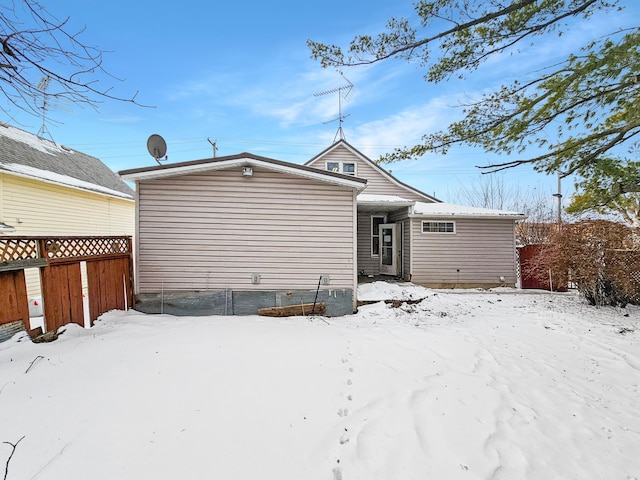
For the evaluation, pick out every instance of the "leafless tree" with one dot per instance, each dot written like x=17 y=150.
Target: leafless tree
x=491 y=191
x=42 y=58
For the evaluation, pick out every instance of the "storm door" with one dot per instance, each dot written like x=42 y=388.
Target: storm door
x=389 y=250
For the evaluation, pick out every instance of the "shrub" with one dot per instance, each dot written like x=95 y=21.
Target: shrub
x=601 y=258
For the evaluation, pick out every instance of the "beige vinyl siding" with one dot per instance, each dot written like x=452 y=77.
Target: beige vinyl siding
x=482 y=249
x=377 y=183
x=214 y=230
x=366 y=262
x=406 y=249
x=34 y=207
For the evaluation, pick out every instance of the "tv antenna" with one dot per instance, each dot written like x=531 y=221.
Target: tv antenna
x=157 y=147
x=344 y=92
x=42 y=86
x=214 y=144
x=50 y=101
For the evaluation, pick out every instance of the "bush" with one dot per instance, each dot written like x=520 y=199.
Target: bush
x=601 y=258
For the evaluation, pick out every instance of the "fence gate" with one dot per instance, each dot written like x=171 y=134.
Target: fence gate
x=109 y=285
x=531 y=277
x=109 y=277
x=62 y=295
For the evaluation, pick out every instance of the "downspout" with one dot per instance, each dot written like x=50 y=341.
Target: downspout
x=411 y=212
x=354 y=257
x=136 y=241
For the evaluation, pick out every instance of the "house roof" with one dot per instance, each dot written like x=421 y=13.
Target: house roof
x=436 y=209
x=381 y=203
x=240 y=160
x=374 y=165
x=28 y=155
x=441 y=209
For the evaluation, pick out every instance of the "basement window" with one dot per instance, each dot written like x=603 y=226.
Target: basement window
x=429 y=226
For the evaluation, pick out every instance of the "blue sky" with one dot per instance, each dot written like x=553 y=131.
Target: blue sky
x=240 y=73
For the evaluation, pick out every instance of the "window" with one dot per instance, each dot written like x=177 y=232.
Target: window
x=333 y=167
x=375 y=234
x=347 y=168
x=438 y=227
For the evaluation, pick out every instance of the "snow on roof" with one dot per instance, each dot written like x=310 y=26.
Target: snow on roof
x=450 y=209
x=28 y=154
x=33 y=141
x=59 y=179
x=366 y=197
x=436 y=208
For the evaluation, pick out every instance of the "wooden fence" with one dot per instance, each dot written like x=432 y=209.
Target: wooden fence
x=109 y=277
x=530 y=277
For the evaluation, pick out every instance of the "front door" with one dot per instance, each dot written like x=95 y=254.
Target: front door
x=388 y=250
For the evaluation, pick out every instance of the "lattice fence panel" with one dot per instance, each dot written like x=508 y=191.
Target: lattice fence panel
x=85 y=247
x=623 y=271
x=12 y=249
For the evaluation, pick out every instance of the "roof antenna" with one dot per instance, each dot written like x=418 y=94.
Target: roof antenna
x=343 y=94
x=42 y=86
x=157 y=147
x=214 y=144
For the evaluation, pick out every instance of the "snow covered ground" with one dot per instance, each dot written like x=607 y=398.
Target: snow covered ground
x=462 y=385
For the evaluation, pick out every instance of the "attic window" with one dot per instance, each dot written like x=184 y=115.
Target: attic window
x=346 y=168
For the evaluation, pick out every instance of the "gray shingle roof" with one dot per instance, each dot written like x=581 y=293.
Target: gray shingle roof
x=27 y=154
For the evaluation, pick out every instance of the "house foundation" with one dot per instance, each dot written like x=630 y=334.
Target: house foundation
x=241 y=302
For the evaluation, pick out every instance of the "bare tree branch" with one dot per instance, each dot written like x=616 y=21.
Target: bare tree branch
x=36 y=45
x=13 y=450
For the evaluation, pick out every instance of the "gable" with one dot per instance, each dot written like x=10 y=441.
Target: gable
x=379 y=181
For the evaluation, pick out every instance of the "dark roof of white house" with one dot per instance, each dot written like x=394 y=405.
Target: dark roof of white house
x=28 y=155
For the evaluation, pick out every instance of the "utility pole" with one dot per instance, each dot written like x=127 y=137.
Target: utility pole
x=214 y=145
x=559 y=197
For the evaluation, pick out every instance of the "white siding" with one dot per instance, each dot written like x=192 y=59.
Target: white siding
x=482 y=250
x=214 y=230
x=377 y=183
x=39 y=208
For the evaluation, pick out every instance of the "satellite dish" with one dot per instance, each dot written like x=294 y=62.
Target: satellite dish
x=157 y=147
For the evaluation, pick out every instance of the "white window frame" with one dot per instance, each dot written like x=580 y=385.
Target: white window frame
x=376 y=254
x=341 y=167
x=438 y=232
